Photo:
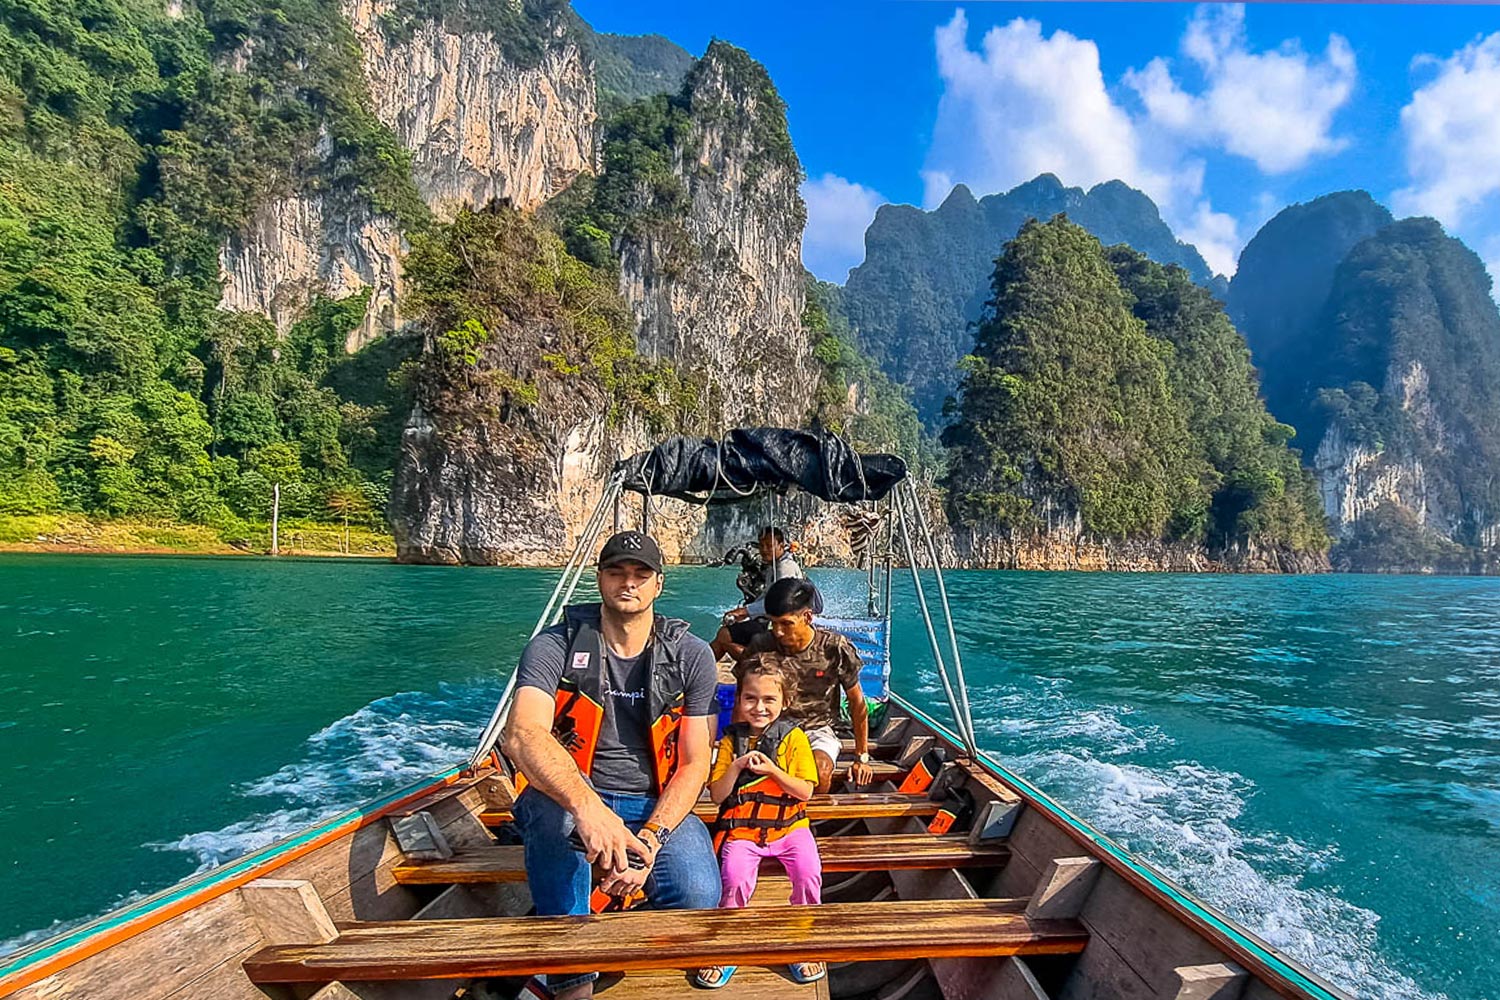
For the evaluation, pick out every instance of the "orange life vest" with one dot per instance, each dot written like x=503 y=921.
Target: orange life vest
x=579 y=712
x=758 y=802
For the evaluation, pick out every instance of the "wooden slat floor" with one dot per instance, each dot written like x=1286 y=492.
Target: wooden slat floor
x=499 y=863
x=770 y=935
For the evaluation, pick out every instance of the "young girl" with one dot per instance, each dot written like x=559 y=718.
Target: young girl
x=762 y=778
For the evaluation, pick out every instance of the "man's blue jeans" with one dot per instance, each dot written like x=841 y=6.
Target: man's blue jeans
x=685 y=877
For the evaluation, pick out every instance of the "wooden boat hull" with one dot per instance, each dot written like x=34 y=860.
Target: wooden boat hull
x=1094 y=921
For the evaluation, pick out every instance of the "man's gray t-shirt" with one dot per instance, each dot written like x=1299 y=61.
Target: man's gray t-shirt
x=623 y=758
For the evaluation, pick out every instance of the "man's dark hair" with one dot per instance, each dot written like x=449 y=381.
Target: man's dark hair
x=774 y=532
x=790 y=595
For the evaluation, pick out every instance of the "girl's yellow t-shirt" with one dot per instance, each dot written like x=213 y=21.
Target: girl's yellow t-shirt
x=794 y=756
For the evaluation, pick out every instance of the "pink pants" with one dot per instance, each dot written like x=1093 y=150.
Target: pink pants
x=798 y=854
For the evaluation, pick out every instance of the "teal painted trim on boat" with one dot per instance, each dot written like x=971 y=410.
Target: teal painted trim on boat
x=1283 y=966
x=207 y=880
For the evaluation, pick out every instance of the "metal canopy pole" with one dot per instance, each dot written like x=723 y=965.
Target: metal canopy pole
x=958 y=666
x=566 y=584
x=937 y=651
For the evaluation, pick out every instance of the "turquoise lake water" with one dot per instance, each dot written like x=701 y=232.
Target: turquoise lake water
x=1318 y=756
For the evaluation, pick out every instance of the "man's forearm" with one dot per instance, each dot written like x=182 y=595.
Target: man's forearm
x=859 y=715
x=550 y=768
x=682 y=791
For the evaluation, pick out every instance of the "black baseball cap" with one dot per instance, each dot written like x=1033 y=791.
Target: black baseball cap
x=630 y=546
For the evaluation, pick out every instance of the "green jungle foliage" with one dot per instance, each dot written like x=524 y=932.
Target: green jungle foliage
x=1107 y=388
x=855 y=398
x=522 y=28
x=915 y=300
x=131 y=144
x=1410 y=312
x=630 y=67
x=1284 y=276
x=1390 y=539
x=511 y=313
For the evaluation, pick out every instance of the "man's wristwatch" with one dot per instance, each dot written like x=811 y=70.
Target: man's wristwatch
x=862 y=758
x=660 y=832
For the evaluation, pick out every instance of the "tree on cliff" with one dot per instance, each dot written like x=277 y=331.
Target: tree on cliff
x=1109 y=392
x=1064 y=408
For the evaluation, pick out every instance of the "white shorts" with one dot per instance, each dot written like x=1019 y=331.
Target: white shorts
x=826 y=740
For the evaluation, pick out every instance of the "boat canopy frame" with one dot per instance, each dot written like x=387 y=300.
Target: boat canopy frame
x=751 y=462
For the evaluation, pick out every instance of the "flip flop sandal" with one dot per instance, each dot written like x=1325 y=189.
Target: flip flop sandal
x=715 y=977
x=800 y=974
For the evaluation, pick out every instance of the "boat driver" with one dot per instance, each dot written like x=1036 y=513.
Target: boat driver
x=822 y=663
x=744 y=623
x=610 y=727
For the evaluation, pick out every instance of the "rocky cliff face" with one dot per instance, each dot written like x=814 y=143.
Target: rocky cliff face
x=479 y=125
x=714 y=289
x=310 y=244
x=720 y=290
x=1400 y=381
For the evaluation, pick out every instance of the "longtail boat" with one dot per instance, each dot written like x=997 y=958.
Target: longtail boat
x=950 y=878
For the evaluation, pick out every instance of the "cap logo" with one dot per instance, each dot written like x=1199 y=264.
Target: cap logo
x=631 y=542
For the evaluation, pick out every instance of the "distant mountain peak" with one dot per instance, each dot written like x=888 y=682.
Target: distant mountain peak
x=925 y=277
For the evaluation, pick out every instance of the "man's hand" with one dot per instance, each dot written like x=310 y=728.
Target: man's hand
x=756 y=763
x=606 y=841
x=861 y=774
x=622 y=883
x=735 y=615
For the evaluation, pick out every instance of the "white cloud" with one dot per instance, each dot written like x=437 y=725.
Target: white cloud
x=1275 y=108
x=1216 y=235
x=1452 y=131
x=1025 y=104
x=838 y=213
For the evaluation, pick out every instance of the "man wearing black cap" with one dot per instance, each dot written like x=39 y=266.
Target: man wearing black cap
x=610 y=727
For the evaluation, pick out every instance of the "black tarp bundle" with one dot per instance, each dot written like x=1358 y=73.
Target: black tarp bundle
x=749 y=461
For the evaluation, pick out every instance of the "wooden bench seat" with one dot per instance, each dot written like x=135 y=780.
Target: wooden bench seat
x=685 y=939
x=838 y=806
x=840 y=854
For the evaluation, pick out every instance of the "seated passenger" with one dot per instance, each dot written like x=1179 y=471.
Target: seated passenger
x=610 y=724
x=762 y=778
x=821 y=663
x=742 y=624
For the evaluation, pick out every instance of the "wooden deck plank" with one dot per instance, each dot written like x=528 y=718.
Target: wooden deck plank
x=772 y=935
x=750 y=983
x=843 y=805
x=497 y=863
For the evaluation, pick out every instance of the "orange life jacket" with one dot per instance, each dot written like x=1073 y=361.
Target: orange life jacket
x=758 y=802
x=579 y=710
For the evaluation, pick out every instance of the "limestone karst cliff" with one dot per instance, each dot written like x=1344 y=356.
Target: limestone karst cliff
x=504 y=458
x=480 y=119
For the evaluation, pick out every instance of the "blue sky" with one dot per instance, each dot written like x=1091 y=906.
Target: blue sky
x=1223 y=113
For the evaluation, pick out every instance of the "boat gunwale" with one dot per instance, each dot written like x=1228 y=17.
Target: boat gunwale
x=58 y=953
x=1282 y=972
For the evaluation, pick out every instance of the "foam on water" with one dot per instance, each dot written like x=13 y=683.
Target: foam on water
x=388 y=744
x=1182 y=819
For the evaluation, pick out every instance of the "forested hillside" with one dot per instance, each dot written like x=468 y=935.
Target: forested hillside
x=925 y=276
x=1109 y=396
x=138 y=142
x=1380 y=342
